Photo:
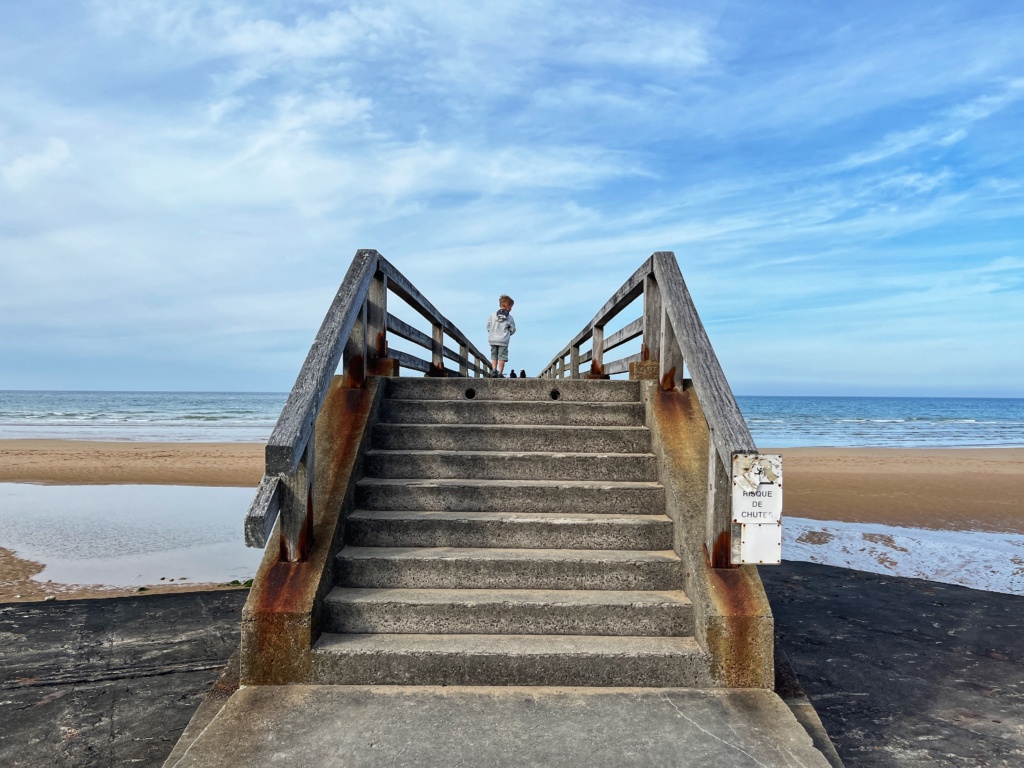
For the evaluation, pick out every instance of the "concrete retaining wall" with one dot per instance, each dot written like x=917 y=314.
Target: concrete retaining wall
x=732 y=618
x=281 y=618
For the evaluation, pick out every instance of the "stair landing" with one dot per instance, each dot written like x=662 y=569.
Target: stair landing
x=426 y=726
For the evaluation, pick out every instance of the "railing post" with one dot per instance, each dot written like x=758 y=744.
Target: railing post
x=719 y=517
x=651 y=349
x=597 y=350
x=463 y=359
x=669 y=355
x=354 y=356
x=436 y=349
x=297 y=507
x=377 y=317
x=574 y=361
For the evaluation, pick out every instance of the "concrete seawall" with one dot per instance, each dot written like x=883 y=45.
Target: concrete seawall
x=940 y=682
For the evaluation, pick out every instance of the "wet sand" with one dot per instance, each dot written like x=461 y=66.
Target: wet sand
x=83 y=462
x=945 y=489
x=959 y=489
x=938 y=683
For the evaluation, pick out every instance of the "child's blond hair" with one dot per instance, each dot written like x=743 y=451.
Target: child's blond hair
x=505 y=301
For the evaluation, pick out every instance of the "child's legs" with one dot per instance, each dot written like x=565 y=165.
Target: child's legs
x=499 y=356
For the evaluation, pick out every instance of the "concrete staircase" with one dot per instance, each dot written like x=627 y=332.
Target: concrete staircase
x=509 y=532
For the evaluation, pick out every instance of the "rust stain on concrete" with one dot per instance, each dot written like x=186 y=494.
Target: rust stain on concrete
x=668 y=381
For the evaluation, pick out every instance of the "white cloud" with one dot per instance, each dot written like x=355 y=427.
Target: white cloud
x=27 y=168
x=227 y=146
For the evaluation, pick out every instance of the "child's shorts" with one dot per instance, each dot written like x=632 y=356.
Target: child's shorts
x=499 y=353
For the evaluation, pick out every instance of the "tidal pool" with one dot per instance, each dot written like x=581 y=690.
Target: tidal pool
x=128 y=535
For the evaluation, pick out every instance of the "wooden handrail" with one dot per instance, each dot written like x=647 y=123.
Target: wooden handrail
x=294 y=426
x=354 y=332
x=730 y=431
x=672 y=333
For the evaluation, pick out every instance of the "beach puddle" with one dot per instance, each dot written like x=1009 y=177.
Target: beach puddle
x=976 y=559
x=128 y=535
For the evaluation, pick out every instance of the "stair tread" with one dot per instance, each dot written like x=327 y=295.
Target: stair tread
x=524 y=427
x=563 y=597
x=386 y=452
x=543 y=517
x=508 y=646
x=530 y=403
x=500 y=553
x=506 y=484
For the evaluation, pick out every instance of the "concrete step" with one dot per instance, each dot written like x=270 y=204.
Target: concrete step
x=545 y=530
x=508 y=611
x=512 y=412
x=487 y=568
x=548 y=660
x=571 y=390
x=511 y=465
x=464 y=495
x=472 y=437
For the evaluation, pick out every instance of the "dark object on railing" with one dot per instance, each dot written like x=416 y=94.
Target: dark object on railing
x=671 y=332
x=522 y=373
x=512 y=375
x=353 y=333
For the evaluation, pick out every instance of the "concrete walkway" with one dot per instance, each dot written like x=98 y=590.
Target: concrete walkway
x=364 y=726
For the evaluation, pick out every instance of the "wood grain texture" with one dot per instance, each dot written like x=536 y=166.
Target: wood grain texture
x=652 y=317
x=409 y=333
x=622 y=364
x=405 y=360
x=294 y=426
x=263 y=512
x=716 y=399
x=400 y=286
x=622 y=298
x=625 y=334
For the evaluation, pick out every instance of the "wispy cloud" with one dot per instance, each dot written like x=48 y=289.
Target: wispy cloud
x=833 y=171
x=24 y=169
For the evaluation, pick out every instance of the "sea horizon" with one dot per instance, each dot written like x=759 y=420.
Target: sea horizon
x=778 y=421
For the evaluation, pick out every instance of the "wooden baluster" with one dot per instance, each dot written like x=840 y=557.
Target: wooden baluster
x=436 y=345
x=376 y=319
x=297 y=507
x=652 y=320
x=597 y=351
x=574 y=361
x=354 y=356
x=670 y=355
x=463 y=359
x=719 y=512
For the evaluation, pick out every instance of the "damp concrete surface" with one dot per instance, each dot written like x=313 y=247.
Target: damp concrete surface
x=903 y=672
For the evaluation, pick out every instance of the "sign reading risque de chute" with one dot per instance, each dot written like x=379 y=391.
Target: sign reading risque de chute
x=756 y=508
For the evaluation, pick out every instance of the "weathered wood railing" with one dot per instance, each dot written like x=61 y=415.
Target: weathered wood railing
x=354 y=333
x=671 y=333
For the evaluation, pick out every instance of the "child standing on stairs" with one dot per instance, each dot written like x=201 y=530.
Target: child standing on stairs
x=500 y=327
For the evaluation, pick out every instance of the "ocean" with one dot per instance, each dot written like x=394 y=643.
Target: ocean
x=140 y=416
x=884 y=422
x=775 y=422
x=138 y=535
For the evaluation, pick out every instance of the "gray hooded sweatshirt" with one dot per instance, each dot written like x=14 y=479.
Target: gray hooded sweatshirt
x=500 y=327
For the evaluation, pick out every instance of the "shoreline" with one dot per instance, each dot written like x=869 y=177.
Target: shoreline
x=92 y=462
x=975 y=489
x=957 y=489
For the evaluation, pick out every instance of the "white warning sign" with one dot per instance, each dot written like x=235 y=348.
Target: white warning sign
x=756 y=488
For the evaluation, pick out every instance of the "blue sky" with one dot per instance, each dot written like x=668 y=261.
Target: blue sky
x=183 y=183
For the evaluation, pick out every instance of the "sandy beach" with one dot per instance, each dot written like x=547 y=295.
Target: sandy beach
x=965 y=489
x=82 y=462
x=954 y=489
x=944 y=489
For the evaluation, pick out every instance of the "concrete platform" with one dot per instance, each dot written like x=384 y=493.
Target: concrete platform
x=359 y=726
